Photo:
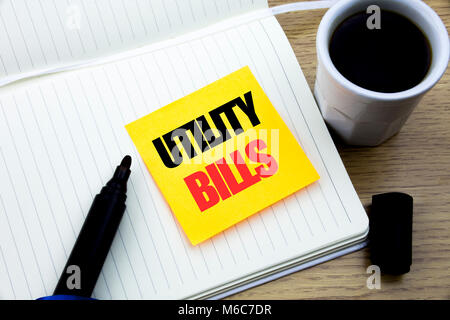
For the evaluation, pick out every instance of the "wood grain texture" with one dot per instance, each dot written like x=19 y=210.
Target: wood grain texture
x=416 y=161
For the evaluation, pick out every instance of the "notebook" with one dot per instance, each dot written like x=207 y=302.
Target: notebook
x=88 y=68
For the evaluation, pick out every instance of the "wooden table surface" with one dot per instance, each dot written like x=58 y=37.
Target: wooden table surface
x=416 y=161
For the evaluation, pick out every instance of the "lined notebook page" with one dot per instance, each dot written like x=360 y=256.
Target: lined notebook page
x=39 y=34
x=63 y=135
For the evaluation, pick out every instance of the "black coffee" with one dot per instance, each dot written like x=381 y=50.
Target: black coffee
x=394 y=58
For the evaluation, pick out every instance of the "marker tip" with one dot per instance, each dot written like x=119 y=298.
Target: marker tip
x=126 y=162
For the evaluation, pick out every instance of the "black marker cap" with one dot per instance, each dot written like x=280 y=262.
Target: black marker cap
x=390 y=234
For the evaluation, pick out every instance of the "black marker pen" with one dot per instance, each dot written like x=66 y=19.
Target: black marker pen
x=95 y=238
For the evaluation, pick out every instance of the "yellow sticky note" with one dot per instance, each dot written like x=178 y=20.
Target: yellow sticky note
x=221 y=154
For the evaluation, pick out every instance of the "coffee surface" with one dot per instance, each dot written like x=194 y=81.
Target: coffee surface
x=394 y=58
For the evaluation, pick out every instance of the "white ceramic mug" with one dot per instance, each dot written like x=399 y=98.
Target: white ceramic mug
x=364 y=117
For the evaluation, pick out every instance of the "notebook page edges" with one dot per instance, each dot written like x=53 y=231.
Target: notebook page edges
x=50 y=34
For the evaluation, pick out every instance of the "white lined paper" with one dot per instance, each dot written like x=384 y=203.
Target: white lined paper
x=44 y=34
x=79 y=119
